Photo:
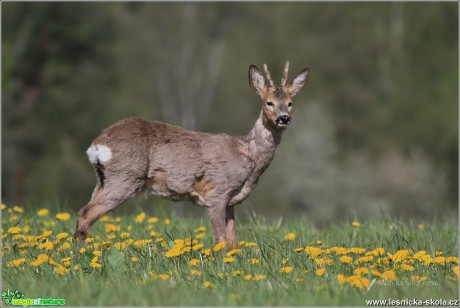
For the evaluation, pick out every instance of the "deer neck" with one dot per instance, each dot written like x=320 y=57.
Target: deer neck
x=262 y=141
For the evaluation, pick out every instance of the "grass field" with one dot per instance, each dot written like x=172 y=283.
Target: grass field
x=143 y=260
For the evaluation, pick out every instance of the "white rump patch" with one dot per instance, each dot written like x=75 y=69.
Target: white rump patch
x=99 y=152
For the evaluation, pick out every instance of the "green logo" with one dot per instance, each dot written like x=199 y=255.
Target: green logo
x=17 y=298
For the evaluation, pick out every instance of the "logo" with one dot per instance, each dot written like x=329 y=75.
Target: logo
x=17 y=298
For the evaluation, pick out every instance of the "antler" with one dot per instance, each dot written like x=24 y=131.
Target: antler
x=285 y=74
x=268 y=76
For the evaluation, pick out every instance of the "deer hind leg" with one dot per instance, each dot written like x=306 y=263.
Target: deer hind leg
x=230 y=230
x=217 y=217
x=104 y=199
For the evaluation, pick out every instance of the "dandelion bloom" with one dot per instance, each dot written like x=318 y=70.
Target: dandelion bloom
x=163 y=276
x=64 y=246
x=418 y=278
x=167 y=221
x=233 y=252
x=18 y=209
x=290 y=236
x=300 y=249
x=61 y=270
x=355 y=224
x=152 y=220
x=455 y=269
x=42 y=212
x=229 y=260
x=421 y=226
x=407 y=267
x=62 y=235
x=219 y=246
x=140 y=218
x=440 y=260
x=313 y=251
x=287 y=269
x=208 y=284
x=346 y=259
x=254 y=261
x=200 y=229
x=389 y=275
x=206 y=251
x=320 y=272
x=3 y=206
x=259 y=277
x=359 y=282
x=194 y=262
x=378 y=251
x=341 y=279
x=248 y=277
x=134 y=259
x=94 y=263
x=14 y=230
x=62 y=216
x=361 y=271
x=196 y=272
x=17 y=262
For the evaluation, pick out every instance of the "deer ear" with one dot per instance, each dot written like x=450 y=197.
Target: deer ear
x=299 y=81
x=256 y=79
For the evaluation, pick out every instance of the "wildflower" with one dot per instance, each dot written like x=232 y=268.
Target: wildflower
x=320 y=272
x=3 y=206
x=452 y=260
x=46 y=246
x=62 y=235
x=388 y=275
x=376 y=273
x=298 y=249
x=346 y=259
x=134 y=259
x=197 y=247
x=254 y=261
x=236 y=273
x=418 y=278
x=97 y=253
x=64 y=246
x=111 y=228
x=259 y=277
x=364 y=259
x=233 y=252
x=378 y=251
x=359 y=282
x=284 y=261
x=141 y=243
x=89 y=240
x=200 y=229
x=196 y=272
x=42 y=212
x=200 y=235
x=18 y=209
x=76 y=267
x=17 y=262
x=206 y=251
x=219 y=246
x=341 y=279
x=290 y=236
x=356 y=250
x=14 y=230
x=287 y=269
x=194 y=262
x=407 y=267
x=355 y=224
x=208 y=284
x=229 y=260
x=440 y=260
x=94 y=263
x=167 y=221
x=399 y=256
x=152 y=220
x=337 y=250
x=248 y=277
x=313 y=251
x=140 y=218
x=250 y=244
x=82 y=250
x=421 y=226
x=61 y=270
x=361 y=271
x=104 y=218
x=42 y=258
x=62 y=216
x=455 y=269
x=323 y=261
x=163 y=276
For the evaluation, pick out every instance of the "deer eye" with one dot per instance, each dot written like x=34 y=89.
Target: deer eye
x=270 y=104
x=290 y=104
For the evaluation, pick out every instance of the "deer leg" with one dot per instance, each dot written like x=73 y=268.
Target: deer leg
x=217 y=217
x=104 y=199
x=230 y=232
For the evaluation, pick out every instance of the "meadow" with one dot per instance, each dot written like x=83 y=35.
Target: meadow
x=147 y=260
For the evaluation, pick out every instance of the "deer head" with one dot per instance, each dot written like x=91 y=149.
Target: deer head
x=277 y=100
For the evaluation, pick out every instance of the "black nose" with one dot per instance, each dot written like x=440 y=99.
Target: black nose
x=284 y=119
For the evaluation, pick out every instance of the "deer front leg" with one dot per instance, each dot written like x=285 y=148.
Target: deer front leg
x=217 y=217
x=232 y=237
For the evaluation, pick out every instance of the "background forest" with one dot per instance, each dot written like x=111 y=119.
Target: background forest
x=374 y=133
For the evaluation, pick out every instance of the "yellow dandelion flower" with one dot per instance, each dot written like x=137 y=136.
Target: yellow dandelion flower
x=153 y=233
x=356 y=250
x=337 y=250
x=134 y=259
x=194 y=262
x=62 y=216
x=105 y=218
x=355 y=224
x=320 y=272
x=359 y=282
x=287 y=269
x=208 y=284
x=219 y=246
x=111 y=228
x=118 y=219
x=346 y=259
x=364 y=259
x=42 y=258
x=200 y=229
x=14 y=230
x=236 y=273
x=140 y=218
x=97 y=253
x=300 y=249
x=76 y=267
x=18 y=209
x=250 y=244
x=64 y=246
x=313 y=251
x=4 y=206
x=248 y=277
x=43 y=212
x=254 y=261
x=196 y=273
x=141 y=243
x=17 y=262
x=361 y=271
x=61 y=270
x=399 y=256
x=418 y=278
x=378 y=251
x=259 y=277
x=82 y=250
x=376 y=273
x=221 y=275
x=388 y=275
x=200 y=235
x=452 y=260
x=163 y=276
x=290 y=236
x=284 y=261
x=233 y=252
x=440 y=260
x=152 y=220
x=341 y=279
x=229 y=260
x=62 y=235
x=47 y=246
x=439 y=253
x=206 y=251
x=455 y=269
x=174 y=252
x=407 y=267
x=89 y=240
x=167 y=221
x=421 y=226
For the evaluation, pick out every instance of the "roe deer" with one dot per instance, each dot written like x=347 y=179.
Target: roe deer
x=216 y=171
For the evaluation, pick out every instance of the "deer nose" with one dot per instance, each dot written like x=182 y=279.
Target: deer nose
x=283 y=119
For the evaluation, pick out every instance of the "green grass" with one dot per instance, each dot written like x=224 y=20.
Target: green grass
x=158 y=280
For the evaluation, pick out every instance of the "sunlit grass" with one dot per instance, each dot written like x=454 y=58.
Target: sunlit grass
x=291 y=265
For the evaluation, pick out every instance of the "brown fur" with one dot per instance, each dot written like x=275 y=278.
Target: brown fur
x=217 y=171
